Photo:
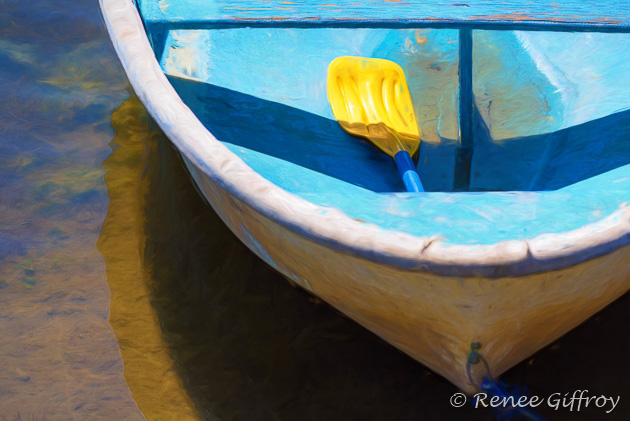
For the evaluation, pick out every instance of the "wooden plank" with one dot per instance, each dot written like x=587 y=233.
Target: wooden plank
x=561 y=15
x=463 y=154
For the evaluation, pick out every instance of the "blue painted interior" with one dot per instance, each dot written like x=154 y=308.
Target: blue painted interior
x=553 y=160
x=463 y=153
x=531 y=139
x=290 y=66
x=253 y=128
x=256 y=129
x=551 y=109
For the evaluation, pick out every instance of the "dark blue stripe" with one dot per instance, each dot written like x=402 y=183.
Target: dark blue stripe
x=463 y=154
x=506 y=25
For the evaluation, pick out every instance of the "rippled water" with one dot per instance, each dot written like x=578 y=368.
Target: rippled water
x=123 y=296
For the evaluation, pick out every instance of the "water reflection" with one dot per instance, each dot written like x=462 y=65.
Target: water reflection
x=248 y=346
x=148 y=367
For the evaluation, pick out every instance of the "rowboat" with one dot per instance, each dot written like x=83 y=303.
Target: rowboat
x=524 y=109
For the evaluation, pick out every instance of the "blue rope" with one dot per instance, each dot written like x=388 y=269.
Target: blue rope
x=502 y=390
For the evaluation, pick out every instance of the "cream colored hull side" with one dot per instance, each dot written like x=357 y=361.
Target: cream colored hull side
x=433 y=318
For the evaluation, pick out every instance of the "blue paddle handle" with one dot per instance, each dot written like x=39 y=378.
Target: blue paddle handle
x=407 y=171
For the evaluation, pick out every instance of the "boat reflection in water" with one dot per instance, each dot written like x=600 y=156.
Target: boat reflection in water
x=208 y=330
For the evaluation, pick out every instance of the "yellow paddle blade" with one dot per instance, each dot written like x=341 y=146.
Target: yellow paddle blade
x=370 y=98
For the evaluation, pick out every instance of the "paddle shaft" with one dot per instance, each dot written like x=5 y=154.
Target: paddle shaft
x=407 y=171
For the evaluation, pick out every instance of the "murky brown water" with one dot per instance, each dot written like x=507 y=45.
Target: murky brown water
x=123 y=296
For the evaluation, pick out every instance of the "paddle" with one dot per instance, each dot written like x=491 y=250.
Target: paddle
x=369 y=98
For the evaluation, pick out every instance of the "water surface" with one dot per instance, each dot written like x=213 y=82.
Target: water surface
x=124 y=297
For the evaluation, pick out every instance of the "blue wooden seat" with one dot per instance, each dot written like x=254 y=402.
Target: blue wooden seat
x=567 y=15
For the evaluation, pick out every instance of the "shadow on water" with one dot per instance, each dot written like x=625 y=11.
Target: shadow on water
x=248 y=346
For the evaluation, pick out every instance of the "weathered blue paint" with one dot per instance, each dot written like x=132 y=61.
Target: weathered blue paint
x=255 y=246
x=276 y=118
x=527 y=83
x=290 y=66
x=571 y=15
x=286 y=66
x=589 y=72
x=407 y=171
x=554 y=160
x=550 y=108
x=157 y=37
x=460 y=218
x=258 y=128
x=531 y=101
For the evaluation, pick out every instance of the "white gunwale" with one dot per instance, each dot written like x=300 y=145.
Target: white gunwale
x=328 y=226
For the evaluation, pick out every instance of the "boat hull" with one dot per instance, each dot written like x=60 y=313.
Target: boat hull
x=432 y=318
x=427 y=298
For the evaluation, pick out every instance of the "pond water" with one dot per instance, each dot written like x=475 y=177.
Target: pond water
x=123 y=296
